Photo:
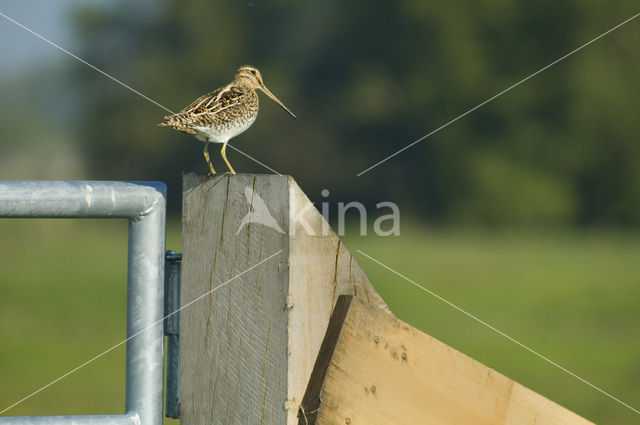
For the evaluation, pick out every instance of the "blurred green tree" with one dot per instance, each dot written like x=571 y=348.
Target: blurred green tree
x=369 y=77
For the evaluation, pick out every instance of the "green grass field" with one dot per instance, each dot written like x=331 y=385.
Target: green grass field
x=573 y=297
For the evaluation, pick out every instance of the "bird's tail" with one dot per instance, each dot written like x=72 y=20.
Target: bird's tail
x=166 y=122
x=174 y=122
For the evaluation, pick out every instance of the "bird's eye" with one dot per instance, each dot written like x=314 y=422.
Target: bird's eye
x=253 y=71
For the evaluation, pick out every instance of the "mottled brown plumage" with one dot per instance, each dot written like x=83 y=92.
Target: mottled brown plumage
x=224 y=113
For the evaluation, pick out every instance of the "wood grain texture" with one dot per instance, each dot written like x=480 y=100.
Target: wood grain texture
x=248 y=348
x=321 y=269
x=311 y=400
x=385 y=372
x=233 y=342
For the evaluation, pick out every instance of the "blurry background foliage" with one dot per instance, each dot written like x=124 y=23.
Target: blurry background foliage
x=366 y=78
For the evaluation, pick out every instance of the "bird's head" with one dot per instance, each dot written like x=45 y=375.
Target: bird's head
x=250 y=76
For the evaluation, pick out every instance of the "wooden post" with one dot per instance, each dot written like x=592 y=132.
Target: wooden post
x=274 y=270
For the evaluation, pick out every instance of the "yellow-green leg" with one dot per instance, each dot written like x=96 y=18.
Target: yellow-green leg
x=206 y=157
x=223 y=151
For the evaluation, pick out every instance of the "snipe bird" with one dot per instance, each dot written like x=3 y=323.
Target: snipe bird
x=224 y=113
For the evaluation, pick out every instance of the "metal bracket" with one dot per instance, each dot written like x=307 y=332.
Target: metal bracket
x=172 y=331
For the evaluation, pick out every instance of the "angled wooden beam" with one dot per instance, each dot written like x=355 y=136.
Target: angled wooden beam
x=308 y=409
x=383 y=371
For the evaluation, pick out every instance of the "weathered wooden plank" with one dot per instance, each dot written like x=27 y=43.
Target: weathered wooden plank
x=383 y=371
x=321 y=269
x=248 y=348
x=307 y=411
x=233 y=359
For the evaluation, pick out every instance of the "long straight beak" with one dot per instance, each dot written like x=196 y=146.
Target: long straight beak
x=275 y=99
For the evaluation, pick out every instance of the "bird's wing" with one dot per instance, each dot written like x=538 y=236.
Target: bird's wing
x=204 y=109
x=216 y=101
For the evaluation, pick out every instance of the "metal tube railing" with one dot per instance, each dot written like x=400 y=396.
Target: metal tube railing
x=144 y=205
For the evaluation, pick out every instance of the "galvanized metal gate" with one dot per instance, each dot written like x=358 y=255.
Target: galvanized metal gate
x=144 y=205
